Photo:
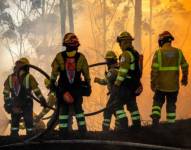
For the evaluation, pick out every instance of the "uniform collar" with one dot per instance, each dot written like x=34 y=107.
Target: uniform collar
x=71 y=54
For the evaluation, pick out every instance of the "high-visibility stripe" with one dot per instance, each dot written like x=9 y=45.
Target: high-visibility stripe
x=36 y=90
x=135 y=113
x=121 y=116
x=156 y=107
x=6 y=91
x=123 y=70
x=65 y=125
x=120 y=78
x=53 y=94
x=10 y=82
x=63 y=117
x=82 y=123
x=107 y=120
x=29 y=129
x=171 y=115
x=120 y=112
x=106 y=124
x=132 y=66
x=14 y=129
x=27 y=84
x=156 y=113
x=155 y=65
x=168 y=68
x=81 y=115
x=135 y=118
x=171 y=120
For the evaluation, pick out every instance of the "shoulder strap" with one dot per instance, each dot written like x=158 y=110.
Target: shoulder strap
x=27 y=81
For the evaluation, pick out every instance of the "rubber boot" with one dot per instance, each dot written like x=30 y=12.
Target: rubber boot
x=105 y=128
x=63 y=133
x=155 y=122
x=136 y=124
x=14 y=134
x=123 y=125
x=82 y=130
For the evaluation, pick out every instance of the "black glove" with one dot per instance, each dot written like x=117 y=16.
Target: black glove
x=184 y=80
x=139 y=90
x=43 y=102
x=52 y=85
x=86 y=88
x=8 y=105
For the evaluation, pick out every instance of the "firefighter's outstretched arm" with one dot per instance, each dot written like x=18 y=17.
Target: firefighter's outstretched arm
x=101 y=81
x=184 y=66
x=34 y=87
x=154 y=71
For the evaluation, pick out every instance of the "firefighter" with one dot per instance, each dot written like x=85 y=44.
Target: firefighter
x=166 y=64
x=109 y=79
x=127 y=84
x=70 y=65
x=17 y=98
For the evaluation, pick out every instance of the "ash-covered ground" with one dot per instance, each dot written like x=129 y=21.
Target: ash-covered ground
x=176 y=135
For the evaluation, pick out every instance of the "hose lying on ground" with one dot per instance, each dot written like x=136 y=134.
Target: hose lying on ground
x=98 y=142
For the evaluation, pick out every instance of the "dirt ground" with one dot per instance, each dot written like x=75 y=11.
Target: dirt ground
x=177 y=135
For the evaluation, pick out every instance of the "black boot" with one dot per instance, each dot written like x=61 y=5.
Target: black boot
x=14 y=134
x=63 y=133
x=105 y=128
x=136 y=124
x=123 y=125
x=155 y=122
x=82 y=130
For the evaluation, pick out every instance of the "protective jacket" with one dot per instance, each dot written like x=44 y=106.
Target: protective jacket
x=165 y=68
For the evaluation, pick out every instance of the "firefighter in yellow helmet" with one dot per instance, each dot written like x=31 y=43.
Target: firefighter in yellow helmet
x=17 y=98
x=166 y=65
x=128 y=84
x=70 y=65
x=113 y=106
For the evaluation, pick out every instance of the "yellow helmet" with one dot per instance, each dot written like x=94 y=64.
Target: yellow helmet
x=111 y=55
x=24 y=61
x=125 y=35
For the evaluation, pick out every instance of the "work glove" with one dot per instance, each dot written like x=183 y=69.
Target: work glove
x=96 y=80
x=52 y=86
x=37 y=118
x=68 y=98
x=43 y=102
x=184 y=80
x=8 y=105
